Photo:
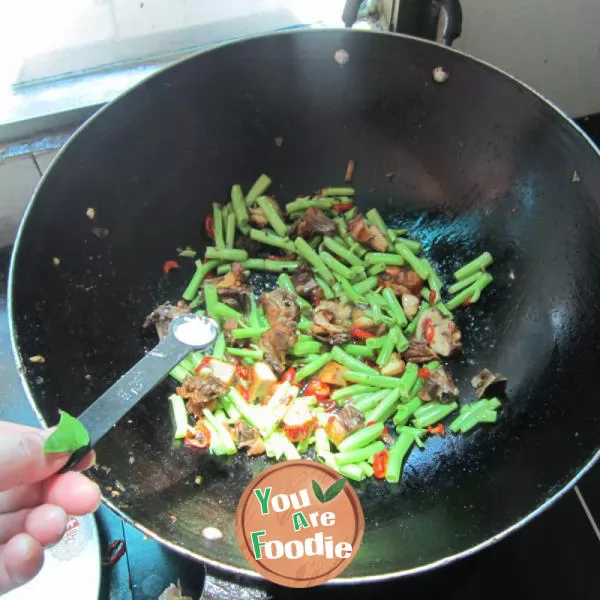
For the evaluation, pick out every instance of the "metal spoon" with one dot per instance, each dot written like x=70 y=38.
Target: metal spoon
x=186 y=333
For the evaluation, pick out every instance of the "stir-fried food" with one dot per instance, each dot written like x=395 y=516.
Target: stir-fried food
x=340 y=357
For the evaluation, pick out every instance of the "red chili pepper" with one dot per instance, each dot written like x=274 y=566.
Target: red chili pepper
x=380 y=461
x=199 y=437
x=245 y=392
x=384 y=434
x=467 y=302
x=342 y=208
x=318 y=389
x=424 y=373
x=432 y=296
x=209 y=227
x=361 y=334
x=289 y=375
x=243 y=372
x=437 y=429
x=203 y=363
x=428 y=330
x=296 y=433
x=370 y=423
x=169 y=265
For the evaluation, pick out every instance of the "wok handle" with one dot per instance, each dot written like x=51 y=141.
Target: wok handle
x=217 y=587
x=449 y=21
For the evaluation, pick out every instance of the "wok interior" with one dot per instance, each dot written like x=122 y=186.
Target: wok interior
x=477 y=163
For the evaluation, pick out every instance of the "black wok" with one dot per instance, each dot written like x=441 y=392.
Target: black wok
x=480 y=162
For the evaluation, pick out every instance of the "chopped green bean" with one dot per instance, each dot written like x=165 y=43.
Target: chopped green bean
x=344 y=359
x=463 y=283
x=408 y=379
x=218 y=225
x=349 y=291
x=335 y=265
x=219 y=346
x=395 y=307
x=212 y=300
x=397 y=454
x=361 y=438
x=304 y=348
x=359 y=350
x=259 y=187
x=301 y=204
x=253 y=353
x=248 y=333
x=412 y=245
x=271 y=239
x=202 y=270
x=376 y=269
x=314 y=259
x=229 y=254
x=337 y=191
x=386 y=408
x=374 y=218
x=481 y=262
x=351 y=390
x=376 y=342
x=226 y=312
x=239 y=208
x=381 y=258
x=179 y=373
x=350 y=214
x=358 y=455
x=342 y=252
x=367 y=402
x=313 y=366
x=402 y=343
x=406 y=411
x=380 y=381
x=470 y=294
x=482 y=411
x=351 y=471
x=272 y=216
x=386 y=351
x=416 y=264
x=230 y=231
x=327 y=291
x=432 y=412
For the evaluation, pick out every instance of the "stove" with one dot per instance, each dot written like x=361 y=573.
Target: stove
x=555 y=555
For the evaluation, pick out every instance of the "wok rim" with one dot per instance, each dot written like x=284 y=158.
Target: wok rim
x=227 y=568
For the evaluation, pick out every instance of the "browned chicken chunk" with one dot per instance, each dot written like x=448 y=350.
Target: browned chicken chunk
x=440 y=386
x=163 y=316
x=257 y=215
x=441 y=334
x=306 y=285
x=401 y=281
x=201 y=391
x=343 y=423
x=370 y=235
x=332 y=322
x=313 y=222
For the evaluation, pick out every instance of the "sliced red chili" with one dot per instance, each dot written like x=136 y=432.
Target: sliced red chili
x=203 y=363
x=361 y=334
x=243 y=372
x=432 y=296
x=438 y=429
x=297 y=433
x=424 y=373
x=209 y=227
x=289 y=375
x=318 y=389
x=428 y=330
x=342 y=208
x=245 y=392
x=169 y=265
x=467 y=302
x=380 y=461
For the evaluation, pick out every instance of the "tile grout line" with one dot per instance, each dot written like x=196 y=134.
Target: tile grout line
x=588 y=512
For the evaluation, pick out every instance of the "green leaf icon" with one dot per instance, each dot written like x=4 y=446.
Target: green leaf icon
x=318 y=491
x=334 y=490
x=69 y=436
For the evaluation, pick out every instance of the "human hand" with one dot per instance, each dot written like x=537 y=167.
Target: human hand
x=34 y=501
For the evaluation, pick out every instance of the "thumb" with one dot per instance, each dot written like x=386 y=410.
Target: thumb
x=23 y=460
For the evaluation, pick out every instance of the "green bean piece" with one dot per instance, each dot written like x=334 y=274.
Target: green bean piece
x=226 y=312
x=399 y=232
x=376 y=342
x=376 y=269
x=228 y=254
x=358 y=455
x=351 y=390
x=436 y=284
x=327 y=291
x=358 y=249
x=416 y=264
x=470 y=294
x=315 y=242
x=212 y=299
x=259 y=187
x=253 y=320
x=368 y=284
x=313 y=366
x=395 y=307
x=408 y=379
x=406 y=411
x=304 y=348
x=275 y=221
x=386 y=408
x=412 y=326
x=463 y=283
x=284 y=281
x=230 y=231
x=367 y=402
x=444 y=310
x=271 y=239
x=254 y=353
x=386 y=351
x=400 y=339
x=432 y=412
x=302 y=204
x=374 y=218
x=354 y=472
x=202 y=270
x=359 y=350
x=218 y=226
x=314 y=259
x=335 y=265
x=367 y=469
x=379 y=381
x=350 y=362
x=397 y=454
x=342 y=252
x=478 y=264
x=239 y=208
x=349 y=291
x=304 y=324
x=224 y=437
x=337 y=191
x=179 y=373
x=248 y=333
x=381 y=258
x=338 y=239
x=219 y=347
x=350 y=214
x=361 y=438
x=232 y=412
x=482 y=411
x=412 y=245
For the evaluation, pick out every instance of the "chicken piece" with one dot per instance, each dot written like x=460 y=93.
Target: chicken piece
x=280 y=305
x=232 y=288
x=361 y=321
x=298 y=423
x=332 y=322
x=201 y=391
x=369 y=235
x=410 y=305
x=164 y=315
x=262 y=379
x=419 y=352
x=228 y=326
x=401 y=280
x=395 y=367
x=439 y=386
x=223 y=371
x=306 y=285
x=441 y=334
x=343 y=423
x=257 y=215
x=249 y=439
x=313 y=222
x=333 y=374
x=489 y=384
